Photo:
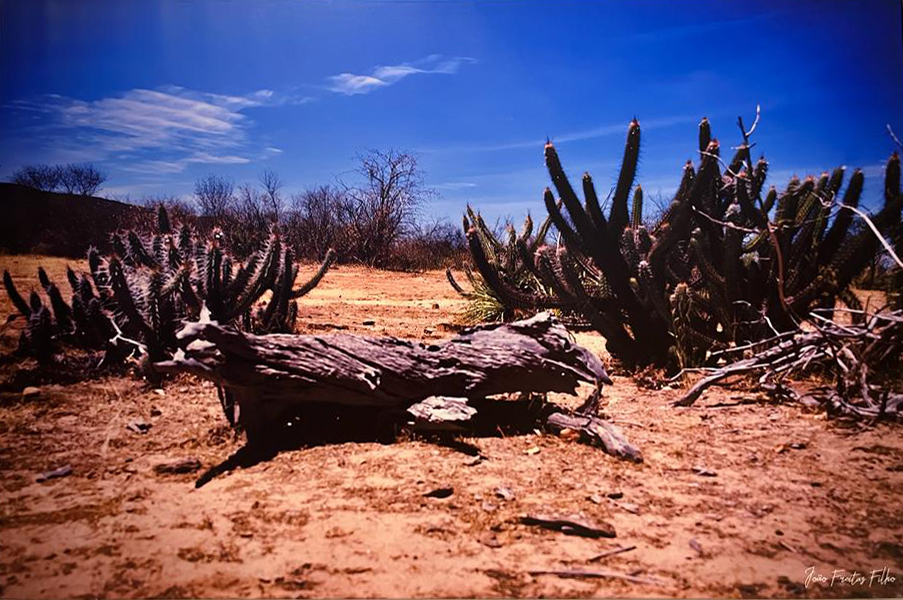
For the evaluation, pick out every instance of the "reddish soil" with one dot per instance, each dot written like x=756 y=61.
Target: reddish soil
x=736 y=497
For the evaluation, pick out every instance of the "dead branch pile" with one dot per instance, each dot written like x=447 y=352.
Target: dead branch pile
x=863 y=358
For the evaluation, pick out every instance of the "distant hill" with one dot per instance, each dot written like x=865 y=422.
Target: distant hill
x=36 y=222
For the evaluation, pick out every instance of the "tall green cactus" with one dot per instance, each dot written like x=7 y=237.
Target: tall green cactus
x=715 y=270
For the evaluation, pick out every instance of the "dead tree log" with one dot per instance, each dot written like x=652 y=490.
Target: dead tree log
x=266 y=376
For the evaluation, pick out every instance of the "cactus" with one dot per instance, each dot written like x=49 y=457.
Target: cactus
x=715 y=270
x=150 y=284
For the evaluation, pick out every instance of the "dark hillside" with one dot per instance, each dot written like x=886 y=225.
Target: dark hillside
x=59 y=224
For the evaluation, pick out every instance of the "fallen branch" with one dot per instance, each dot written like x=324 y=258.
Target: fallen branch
x=570 y=525
x=611 y=552
x=584 y=574
x=853 y=353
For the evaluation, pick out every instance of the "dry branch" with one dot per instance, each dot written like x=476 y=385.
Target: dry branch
x=853 y=353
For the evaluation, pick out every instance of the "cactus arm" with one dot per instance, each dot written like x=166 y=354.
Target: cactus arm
x=636 y=216
x=527 y=230
x=318 y=276
x=540 y=237
x=760 y=174
x=14 y=296
x=582 y=222
x=138 y=254
x=564 y=228
x=163 y=224
x=62 y=313
x=593 y=207
x=841 y=224
x=456 y=286
x=125 y=301
x=617 y=220
x=509 y=295
x=72 y=278
x=705 y=134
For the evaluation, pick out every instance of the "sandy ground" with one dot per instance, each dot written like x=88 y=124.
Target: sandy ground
x=736 y=497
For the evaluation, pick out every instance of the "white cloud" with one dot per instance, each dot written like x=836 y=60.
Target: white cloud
x=455 y=185
x=158 y=131
x=204 y=157
x=351 y=84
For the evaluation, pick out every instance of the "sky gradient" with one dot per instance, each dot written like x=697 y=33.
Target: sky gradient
x=160 y=93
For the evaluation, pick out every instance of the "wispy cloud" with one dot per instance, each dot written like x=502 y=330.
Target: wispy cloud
x=352 y=84
x=573 y=136
x=154 y=131
x=455 y=185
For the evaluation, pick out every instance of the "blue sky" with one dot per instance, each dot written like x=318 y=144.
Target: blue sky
x=161 y=93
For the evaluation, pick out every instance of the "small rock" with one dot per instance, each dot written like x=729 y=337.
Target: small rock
x=31 y=392
x=703 y=472
x=798 y=446
x=489 y=506
x=54 y=474
x=155 y=412
x=569 y=435
x=696 y=546
x=615 y=495
x=491 y=540
x=178 y=466
x=443 y=492
x=595 y=498
x=159 y=392
x=369 y=322
x=533 y=450
x=428 y=330
x=138 y=426
x=631 y=508
x=435 y=306
x=504 y=493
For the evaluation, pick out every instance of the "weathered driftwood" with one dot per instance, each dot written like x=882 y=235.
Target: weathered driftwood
x=267 y=376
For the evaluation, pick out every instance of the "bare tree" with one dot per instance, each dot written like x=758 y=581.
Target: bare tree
x=272 y=184
x=251 y=220
x=39 y=177
x=315 y=223
x=215 y=196
x=385 y=208
x=81 y=179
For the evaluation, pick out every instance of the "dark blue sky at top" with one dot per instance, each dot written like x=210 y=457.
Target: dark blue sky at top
x=161 y=93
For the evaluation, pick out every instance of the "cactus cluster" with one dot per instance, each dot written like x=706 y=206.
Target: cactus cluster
x=82 y=321
x=727 y=263
x=143 y=291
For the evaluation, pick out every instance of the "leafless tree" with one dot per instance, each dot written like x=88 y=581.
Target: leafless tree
x=315 y=223
x=382 y=210
x=39 y=177
x=272 y=184
x=250 y=220
x=215 y=196
x=81 y=179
